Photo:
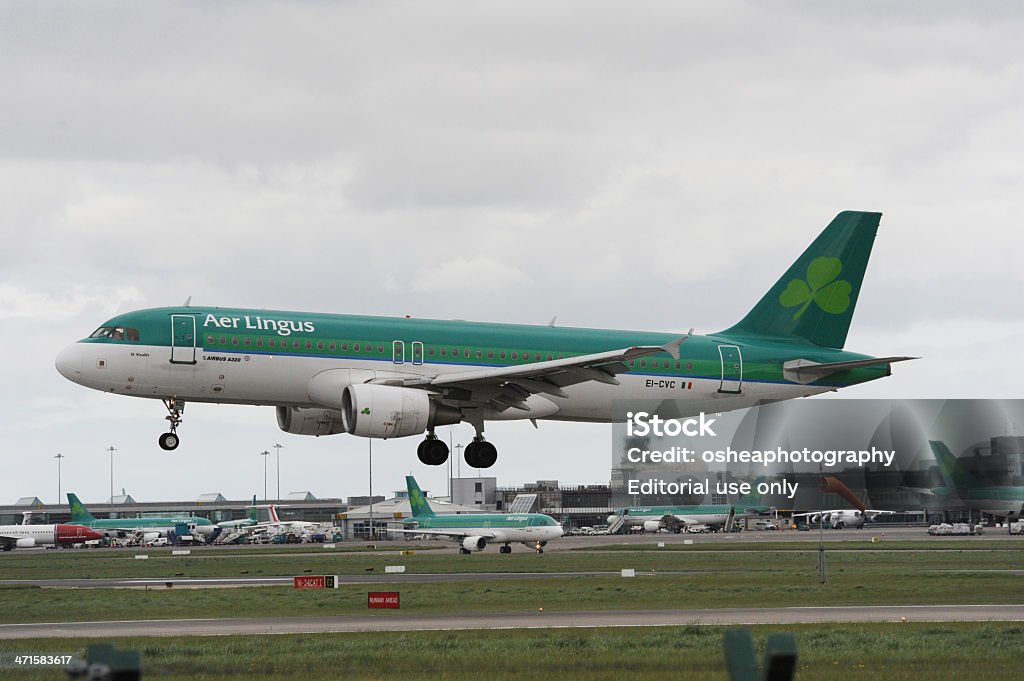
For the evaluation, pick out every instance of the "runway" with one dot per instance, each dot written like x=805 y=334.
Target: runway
x=392 y=622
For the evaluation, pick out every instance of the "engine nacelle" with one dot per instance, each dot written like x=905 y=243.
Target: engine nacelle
x=474 y=543
x=652 y=525
x=303 y=421
x=376 y=410
x=26 y=543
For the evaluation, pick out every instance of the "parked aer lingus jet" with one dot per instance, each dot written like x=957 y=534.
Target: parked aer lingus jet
x=149 y=528
x=678 y=518
x=474 y=531
x=394 y=377
x=1003 y=501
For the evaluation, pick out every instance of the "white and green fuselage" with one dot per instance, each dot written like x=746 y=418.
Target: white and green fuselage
x=394 y=377
x=474 y=531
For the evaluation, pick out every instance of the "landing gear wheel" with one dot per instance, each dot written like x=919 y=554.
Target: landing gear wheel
x=505 y=549
x=432 y=452
x=175 y=408
x=540 y=550
x=481 y=454
x=464 y=551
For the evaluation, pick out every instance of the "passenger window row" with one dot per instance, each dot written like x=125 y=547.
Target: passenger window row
x=445 y=352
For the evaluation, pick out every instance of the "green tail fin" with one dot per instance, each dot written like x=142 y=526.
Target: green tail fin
x=753 y=499
x=417 y=502
x=954 y=475
x=815 y=298
x=252 y=511
x=79 y=513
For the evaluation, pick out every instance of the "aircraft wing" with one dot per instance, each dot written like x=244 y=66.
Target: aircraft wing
x=510 y=386
x=459 y=534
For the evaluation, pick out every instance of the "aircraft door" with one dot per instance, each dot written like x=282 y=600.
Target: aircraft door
x=732 y=369
x=183 y=339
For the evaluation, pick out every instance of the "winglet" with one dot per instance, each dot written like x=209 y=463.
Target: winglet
x=672 y=347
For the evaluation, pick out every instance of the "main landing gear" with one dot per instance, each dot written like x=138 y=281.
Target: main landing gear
x=505 y=549
x=175 y=408
x=479 y=453
x=432 y=451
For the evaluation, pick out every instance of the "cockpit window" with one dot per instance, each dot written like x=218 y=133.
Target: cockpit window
x=116 y=333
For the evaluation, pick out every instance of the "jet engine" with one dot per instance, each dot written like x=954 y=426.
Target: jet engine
x=304 y=421
x=652 y=525
x=26 y=542
x=376 y=410
x=474 y=543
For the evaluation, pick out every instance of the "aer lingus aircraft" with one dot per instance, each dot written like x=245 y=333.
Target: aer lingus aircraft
x=148 y=527
x=474 y=531
x=389 y=377
x=678 y=518
x=1003 y=501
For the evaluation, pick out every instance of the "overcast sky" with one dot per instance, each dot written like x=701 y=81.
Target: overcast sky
x=644 y=165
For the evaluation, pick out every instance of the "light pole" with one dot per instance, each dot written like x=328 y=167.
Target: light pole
x=111 y=449
x=458 y=458
x=278 y=448
x=264 y=454
x=450 y=466
x=58 y=457
x=369 y=441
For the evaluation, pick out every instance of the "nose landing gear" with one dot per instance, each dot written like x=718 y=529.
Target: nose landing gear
x=175 y=408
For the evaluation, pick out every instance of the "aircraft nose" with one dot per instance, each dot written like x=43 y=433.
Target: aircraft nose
x=69 y=362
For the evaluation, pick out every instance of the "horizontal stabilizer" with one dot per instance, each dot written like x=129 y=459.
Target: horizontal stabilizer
x=806 y=371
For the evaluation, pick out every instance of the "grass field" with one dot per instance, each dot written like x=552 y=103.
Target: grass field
x=889 y=652
x=784 y=558
x=669 y=579
x=697 y=576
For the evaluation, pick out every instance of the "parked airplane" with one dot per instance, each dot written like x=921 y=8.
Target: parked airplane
x=474 y=531
x=148 y=527
x=391 y=377
x=677 y=518
x=249 y=521
x=842 y=517
x=27 y=536
x=1003 y=501
x=287 y=525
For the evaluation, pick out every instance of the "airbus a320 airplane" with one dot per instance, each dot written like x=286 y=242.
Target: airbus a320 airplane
x=389 y=377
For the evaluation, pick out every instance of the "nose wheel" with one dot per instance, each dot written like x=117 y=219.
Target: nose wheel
x=175 y=408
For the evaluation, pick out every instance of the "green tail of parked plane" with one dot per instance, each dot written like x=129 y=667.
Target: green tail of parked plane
x=417 y=502
x=1004 y=501
x=388 y=377
x=80 y=515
